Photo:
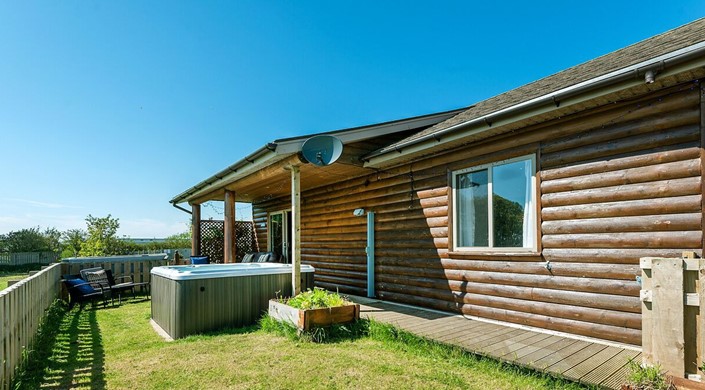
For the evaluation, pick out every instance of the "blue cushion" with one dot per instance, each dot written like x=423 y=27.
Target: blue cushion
x=199 y=260
x=84 y=289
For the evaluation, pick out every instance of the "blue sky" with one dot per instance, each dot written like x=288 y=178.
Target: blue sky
x=115 y=107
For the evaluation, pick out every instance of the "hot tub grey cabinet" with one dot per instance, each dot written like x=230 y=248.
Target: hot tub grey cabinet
x=196 y=300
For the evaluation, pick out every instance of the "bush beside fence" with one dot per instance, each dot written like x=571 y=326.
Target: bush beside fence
x=22 y=308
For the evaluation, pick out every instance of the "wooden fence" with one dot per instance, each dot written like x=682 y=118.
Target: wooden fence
x=22 y=258
x=22 y=308
x=673 y=320
x=137 y=266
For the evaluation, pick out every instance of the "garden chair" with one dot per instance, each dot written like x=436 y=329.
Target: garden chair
x=104 y=278
x=81 y=291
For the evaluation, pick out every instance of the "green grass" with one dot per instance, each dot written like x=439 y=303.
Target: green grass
x=648 y=377
x=116 y=348
x=16 y=272
x=6 y=277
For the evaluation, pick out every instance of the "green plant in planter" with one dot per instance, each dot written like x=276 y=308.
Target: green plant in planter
x=648 y=377
x=316 y=299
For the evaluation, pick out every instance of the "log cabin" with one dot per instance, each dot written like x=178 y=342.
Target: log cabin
x=532 y=207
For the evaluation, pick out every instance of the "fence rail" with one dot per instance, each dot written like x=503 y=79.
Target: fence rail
x=22 y=308
x=21 y=258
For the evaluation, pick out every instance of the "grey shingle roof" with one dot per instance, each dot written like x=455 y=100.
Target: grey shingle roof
x=661 y=44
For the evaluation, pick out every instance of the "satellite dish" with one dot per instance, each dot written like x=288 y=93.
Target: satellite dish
x=322 y=150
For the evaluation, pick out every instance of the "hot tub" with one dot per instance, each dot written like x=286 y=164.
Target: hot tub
x=191 y=299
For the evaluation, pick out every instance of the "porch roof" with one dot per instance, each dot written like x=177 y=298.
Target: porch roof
x=262 y=175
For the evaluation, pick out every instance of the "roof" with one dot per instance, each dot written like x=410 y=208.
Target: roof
x=650 y=48
x=281 y=149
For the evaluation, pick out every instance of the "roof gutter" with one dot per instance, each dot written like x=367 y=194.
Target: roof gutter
x=250 y=159
x=633 y=72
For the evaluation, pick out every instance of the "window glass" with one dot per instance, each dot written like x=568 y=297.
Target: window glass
x=510 y=203
x=504 y=220
x=276 y=237
x=473 y=228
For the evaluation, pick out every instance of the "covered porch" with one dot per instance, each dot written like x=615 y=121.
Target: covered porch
x=278 y=177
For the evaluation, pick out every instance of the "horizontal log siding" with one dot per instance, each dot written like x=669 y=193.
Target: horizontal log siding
x=617 y=183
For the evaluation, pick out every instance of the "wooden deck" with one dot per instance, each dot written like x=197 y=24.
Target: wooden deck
x=578 y=360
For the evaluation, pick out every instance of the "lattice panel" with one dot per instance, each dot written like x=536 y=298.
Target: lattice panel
x=213 y=244
x=245 y=238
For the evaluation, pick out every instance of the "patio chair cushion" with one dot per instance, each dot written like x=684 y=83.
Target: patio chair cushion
x=263 y=258
x=99 y=277
x=200 y=260
x=86 y=270
x=248 y=258
x=83 y=289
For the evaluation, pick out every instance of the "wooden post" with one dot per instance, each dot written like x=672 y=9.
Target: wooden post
x=229 y=233
x=701 y=318
x=672 y=295
x=195 y=230
x=647 y=347
x=669 y=341
x=296 y=230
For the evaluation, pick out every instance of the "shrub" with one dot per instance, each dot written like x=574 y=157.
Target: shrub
x=648 y=377
x=316 y=299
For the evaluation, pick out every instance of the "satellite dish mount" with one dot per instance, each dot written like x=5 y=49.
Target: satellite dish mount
x=321 y=150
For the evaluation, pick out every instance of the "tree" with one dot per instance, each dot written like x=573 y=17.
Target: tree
x=72 y=241
x=181 y=240
x=101 y=239
x=25 y=240
x=52 y=237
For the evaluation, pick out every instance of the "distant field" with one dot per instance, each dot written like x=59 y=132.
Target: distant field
x=6 y=276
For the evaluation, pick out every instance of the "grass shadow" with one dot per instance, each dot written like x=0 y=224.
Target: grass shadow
x=69 y=353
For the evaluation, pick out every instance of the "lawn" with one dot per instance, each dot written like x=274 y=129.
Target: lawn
x=116 y=348
x=6 y=276
x=15 y=272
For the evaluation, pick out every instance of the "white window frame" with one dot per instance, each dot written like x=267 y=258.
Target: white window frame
x=532 y=207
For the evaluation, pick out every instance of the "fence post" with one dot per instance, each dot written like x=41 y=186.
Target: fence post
x=672 y=296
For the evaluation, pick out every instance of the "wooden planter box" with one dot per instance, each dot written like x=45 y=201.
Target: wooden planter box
x=311 y=318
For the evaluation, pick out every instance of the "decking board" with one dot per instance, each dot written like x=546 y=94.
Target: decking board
x=556 y=351
x=560 y=366
x=589 y=365
x=610 y=366
x=495 y=349
x=510 y=347
x=585 y=361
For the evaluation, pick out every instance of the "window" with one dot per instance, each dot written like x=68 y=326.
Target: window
x=494 y=206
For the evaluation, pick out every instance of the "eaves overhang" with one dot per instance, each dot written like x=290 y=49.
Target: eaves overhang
x=677 y=61
x=284 y=148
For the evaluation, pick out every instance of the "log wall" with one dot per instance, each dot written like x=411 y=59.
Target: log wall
x=615 y=184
